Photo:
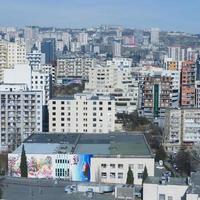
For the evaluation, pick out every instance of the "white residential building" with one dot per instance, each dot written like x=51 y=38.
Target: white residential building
x=74 y=67
x=82 y=113
x=39 y=79
x=42 y=81
x=16 y=53
x=20 y=114
x=19 y=74
x=181 y=126
x=156 y=188
x=115 y=79
x=155 y=32
x=83 y=38
x=116 y=48
x=36 y=58
x=11 y=53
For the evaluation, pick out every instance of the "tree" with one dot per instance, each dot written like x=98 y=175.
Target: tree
x=160 y=154
x=1 y=193
x=23 y=164
x=183 y=161
x=129 y=179
x=145 y=174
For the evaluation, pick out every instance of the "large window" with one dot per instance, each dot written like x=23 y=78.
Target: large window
x=120 y=175
x=161 y=196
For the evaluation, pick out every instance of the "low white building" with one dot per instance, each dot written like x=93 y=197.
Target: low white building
x=82 y=113
x=156 y=188
x=101 y=158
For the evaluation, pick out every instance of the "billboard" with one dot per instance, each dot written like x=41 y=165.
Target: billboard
x=39 y=166
x=80 y=167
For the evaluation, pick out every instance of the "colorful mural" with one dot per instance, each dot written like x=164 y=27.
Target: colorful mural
x=80 y=167
x=38 y=166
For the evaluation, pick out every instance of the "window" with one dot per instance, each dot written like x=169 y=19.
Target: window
x=62 y=119
x=94 y=102
x=53 y=102
x=103 y=165
x=140 y=175
x=112 y=165
x=62 y=102
x=62 y=124
x=53 y=108
x=131 y=166
x=62 y=108
x=120 y=166
x=170 y=198
x=140 y=166
x=112 y=174
x=120 y=175
x=103 y=174
x=109 y=108
x=161 y=196
x=100 y=103
x=62 y=113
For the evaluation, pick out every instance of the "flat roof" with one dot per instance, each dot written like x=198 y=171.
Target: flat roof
x=173 y=181
x=113 y=144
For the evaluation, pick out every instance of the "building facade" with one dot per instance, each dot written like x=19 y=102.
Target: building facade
x=100 y=158
x=20 y=115
x=82 y=113
x=182 y=126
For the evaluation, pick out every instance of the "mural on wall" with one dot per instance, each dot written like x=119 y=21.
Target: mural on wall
x=80 y=167
x=38 y=166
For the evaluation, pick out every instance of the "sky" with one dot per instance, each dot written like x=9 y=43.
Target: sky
x=173 y=15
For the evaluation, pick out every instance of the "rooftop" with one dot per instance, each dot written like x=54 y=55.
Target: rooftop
x=173 y=181
x=124 y=144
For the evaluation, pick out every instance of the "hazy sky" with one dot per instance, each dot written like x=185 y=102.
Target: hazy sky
x=180 y=15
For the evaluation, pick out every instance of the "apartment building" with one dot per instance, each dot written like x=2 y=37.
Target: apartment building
x=16 y=53
x=197 y=94
x=38 y=79
x=35 y=58
x=73 y=66
x=20 y=114
x=11 y=53
x=158 y=91
x=115 y=79
x=181 y=126
x=188 y=84
x=3 y=59
x=82 y=113
x=102 y=78
x=42 y=81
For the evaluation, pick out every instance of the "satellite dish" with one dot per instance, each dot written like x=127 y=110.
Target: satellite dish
x=160 y=162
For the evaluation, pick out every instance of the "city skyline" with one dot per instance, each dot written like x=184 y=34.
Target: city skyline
x=167 y=15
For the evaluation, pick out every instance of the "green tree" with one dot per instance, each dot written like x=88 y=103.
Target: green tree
x=23 y=164
x=183 y=161
x=160 y=154
x=130 y=179
x=145 y=174
x=1 y=193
